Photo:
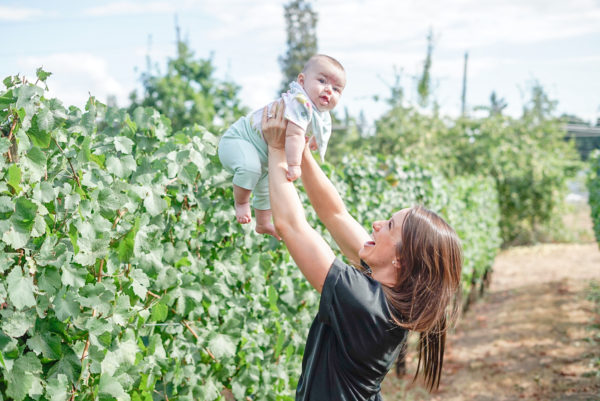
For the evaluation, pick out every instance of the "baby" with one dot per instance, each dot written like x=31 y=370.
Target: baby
x=243 y=151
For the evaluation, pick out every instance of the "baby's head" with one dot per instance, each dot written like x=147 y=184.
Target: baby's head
x=323 y=79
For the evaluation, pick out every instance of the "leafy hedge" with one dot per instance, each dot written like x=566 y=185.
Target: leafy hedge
x=527 y=156
x=594 y=191
x=123 y=274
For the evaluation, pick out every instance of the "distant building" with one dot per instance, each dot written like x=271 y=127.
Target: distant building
x=587 y=138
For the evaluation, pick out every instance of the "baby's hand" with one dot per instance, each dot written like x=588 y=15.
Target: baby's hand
x=312 y=143
x=293 y=173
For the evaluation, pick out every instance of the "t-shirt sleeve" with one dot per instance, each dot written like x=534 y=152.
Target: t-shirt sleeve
x=355 y=308
x=297 y=109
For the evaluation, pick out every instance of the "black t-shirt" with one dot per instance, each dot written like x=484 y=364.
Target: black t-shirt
x=352 y=342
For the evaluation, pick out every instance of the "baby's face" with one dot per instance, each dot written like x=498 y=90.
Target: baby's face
x=323 y=82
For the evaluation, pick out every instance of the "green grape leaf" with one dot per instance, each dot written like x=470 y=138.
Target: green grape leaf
x=45 y=119
x=109 y=386
x=221 y=346
x=122 y=167
x=23 y=218
x=127 y=245
x=238 y=389
x=69 y=365
x=26 y=98
x=209 y=391
x=122 y=355
x=6 y=99
x=36 y=162
x=24 y=378
x=16 y=239
x=140 y=283
x=279 y=344
x=15 y=324
x=72 y=276
x=46 y=192
x=48 y=344
x=160 y=312
x=154 y=204
x=272 y=293
x=91 y=250
x=14 y=177
x=20 y=289
x=4 y=144
x=66 y=306
x=39 y=137
x=39 y=227
x=123 y=144
x=57 y=388
x=7 y=205
x=42 y=75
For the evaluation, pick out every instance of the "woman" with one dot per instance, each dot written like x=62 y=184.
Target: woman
x=412 y=266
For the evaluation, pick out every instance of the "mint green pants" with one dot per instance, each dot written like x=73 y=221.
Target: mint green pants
x=243 y=152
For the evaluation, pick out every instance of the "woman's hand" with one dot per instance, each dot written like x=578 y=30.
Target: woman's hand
x=274 y=125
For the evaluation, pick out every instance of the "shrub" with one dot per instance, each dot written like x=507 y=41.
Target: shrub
x=593 y=184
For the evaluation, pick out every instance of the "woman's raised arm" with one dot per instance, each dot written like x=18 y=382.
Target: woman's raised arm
x=308 y=249
x=325 y=199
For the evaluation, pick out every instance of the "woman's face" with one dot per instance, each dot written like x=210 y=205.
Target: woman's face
x=381 y=251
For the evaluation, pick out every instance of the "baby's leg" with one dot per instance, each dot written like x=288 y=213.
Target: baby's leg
x=262 y=208
x=294 y=146
x=264 y=224
x=241 y=201
x=243 y=160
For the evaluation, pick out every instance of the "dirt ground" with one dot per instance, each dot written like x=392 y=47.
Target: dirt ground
x=529 y=337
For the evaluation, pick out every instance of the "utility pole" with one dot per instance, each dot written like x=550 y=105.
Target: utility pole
x=463 y=97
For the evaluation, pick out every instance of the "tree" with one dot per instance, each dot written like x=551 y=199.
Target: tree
x=301 y=27
x=188 y=93
x=496 y=106
x=424 y=84
x=529 y=160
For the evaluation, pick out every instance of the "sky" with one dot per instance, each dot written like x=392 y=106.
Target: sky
x=102 y=47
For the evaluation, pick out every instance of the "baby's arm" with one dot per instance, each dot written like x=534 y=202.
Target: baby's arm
x=294 y=146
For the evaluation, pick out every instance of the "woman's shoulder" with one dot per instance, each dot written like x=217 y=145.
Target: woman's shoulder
x=357 y=289
x=352 y=296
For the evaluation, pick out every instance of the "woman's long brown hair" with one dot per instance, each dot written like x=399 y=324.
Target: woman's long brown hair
x=428 y=280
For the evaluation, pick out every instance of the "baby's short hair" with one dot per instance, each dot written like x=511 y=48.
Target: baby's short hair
x=311 y=60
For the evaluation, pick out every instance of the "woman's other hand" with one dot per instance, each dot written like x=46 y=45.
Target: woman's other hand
x=274 y=125
x=312 y=143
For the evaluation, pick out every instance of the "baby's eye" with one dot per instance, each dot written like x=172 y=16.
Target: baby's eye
x=337 y=89
x=322 y=80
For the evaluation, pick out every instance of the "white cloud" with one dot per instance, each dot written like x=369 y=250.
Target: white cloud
x=19 y=13
x=463 y=24
x=130 y=8
x=76 y=76
x=244 y=19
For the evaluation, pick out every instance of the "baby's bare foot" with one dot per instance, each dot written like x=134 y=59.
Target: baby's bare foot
x=293 y=173
x=267 y=229
x=242 y=213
